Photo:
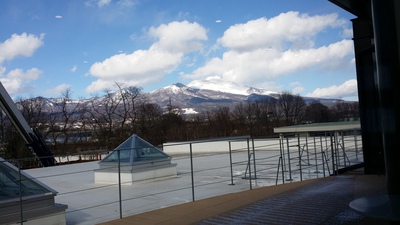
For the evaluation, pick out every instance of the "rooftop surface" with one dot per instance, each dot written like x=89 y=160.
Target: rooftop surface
x=316 y=201
x=205 y=176
x=217 y=188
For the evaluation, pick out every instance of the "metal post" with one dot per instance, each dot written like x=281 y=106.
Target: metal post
x=254 y=159
x=337 y=152
x=315 y=157
x=281 y=150
x=333 y=154
x=344 y=149
x=290 y=168
x=299 y=149
x=119 y=183
x=230 y=162
x=308 y=155
x=277 y=172
x=249 y=162
x=191 y=170
x=282 y=147
x=322 y=156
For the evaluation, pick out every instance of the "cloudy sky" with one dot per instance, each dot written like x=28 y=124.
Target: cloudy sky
x=88 y=46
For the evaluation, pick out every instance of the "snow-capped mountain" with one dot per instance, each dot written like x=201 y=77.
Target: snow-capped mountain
x=204 y=95
x=193 y=99
x=227 y=86
x=196 y=97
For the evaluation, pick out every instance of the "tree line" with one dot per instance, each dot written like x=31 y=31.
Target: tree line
x=71 y=126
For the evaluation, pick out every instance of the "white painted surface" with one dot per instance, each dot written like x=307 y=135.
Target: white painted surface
x=90 y=203
x=128 y=178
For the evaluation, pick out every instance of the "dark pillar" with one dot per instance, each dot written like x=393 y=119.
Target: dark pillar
x=386 y=23
x=368 y=97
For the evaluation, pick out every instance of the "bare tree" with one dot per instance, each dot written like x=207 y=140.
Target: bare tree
x=102 y=111
x=221 y=123
x=126 y=112
x=149 y=116
x=32 y=109
x=239 y=118
x=345 y=111
x=172 y=123
x=318 y=113
x=291 y=108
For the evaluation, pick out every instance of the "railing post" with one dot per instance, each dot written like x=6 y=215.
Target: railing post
x=308 y=155
x=249 y=162
x=323 y=158
x=254 y=159
x=290 y=167
x=315 y=157
x=344 y=150
x=299 y=149
x=119 y=183
x=282 y=147
x=191 y=170
x=333 y=153
x=282 y=150
x=230 y=162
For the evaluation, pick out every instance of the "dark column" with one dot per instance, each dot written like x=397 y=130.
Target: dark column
x=386 y=23
x=368 y=97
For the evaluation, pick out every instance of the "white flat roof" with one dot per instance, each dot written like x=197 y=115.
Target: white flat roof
x=319 y=127
x=91 y=203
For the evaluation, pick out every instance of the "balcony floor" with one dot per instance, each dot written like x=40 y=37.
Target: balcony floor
x=316 y=201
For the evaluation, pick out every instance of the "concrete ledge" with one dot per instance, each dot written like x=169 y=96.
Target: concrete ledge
x=110 y=176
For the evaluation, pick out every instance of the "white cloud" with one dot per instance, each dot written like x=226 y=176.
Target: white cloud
x=297 y=87
x=20 y=45
x=264 y=63
x=178 y=37
x=347 y=89
x=74 y=69
x=127 y=3
x=287 y=27
x=15 y=79
x=102 y=3
x=347 y=33
x=59 y=89
x=143 y=67
x=265 y=49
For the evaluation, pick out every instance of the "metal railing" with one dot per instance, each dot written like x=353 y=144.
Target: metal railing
x=244 y=163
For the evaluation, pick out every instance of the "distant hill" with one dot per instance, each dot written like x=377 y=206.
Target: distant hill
x=202 y=95
x=196 y=97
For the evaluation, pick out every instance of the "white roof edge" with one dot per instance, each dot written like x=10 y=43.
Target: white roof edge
x=334 y=126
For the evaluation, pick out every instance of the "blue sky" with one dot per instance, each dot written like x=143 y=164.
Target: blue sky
x=88 y=46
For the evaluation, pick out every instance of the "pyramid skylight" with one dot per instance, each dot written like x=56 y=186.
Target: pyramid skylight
x=11 y=188
x=135 y=149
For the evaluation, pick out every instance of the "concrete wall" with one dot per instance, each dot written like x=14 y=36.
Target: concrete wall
x=183 y=148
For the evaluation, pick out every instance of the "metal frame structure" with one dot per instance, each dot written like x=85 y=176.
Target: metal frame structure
x=32 y=137
x=326 y=148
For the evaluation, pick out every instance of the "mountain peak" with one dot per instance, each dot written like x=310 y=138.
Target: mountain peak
x=180 y=85
x=226 y=86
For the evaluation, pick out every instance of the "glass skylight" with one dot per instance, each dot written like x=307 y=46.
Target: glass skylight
x=135 y=149
x=11 y=187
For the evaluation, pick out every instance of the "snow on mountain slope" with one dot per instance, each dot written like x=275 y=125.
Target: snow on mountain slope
x=226 y=86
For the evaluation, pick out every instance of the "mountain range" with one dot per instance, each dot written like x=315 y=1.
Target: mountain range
x=202 y=95
x=196 y=97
